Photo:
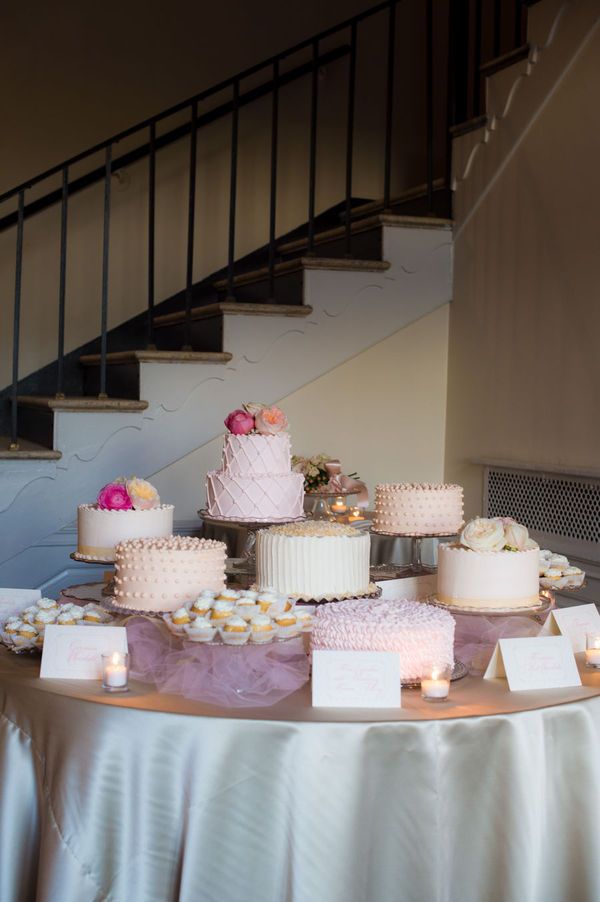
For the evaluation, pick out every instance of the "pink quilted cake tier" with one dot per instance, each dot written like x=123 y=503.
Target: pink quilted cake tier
x=422 y=635
x=256 y=499
x=254 y=455
x=418 y=509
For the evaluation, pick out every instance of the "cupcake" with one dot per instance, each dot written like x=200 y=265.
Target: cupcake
x=287 y=624
x=75 y=612
x=43 y=618
x=235 y=631
x=45 y=604
x=304 y=618
x=228 y=595
x=12 y=626
x=180 y=616
x=553 y=573
x=222 y=609
x=92 y=615
x=247 y=611
x=265 y=600
x=27 y=631
x=200 y=630
x=559 y=560
x=66 y=618
x=29 y=614
x=262 y=628
x=201 y=606
x=248 y=593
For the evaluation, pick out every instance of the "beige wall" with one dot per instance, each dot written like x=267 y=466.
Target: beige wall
x=382 y=413
x=524 y=367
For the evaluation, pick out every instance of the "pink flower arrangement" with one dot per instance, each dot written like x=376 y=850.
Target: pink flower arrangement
x=114 y=497
x=270 y=421
x=127 y=494
x=239 y=422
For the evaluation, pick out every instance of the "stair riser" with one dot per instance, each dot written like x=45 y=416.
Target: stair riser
x=37 y=425
x=288 y=289
x=363 y=246
x=122 y=381
x=205 y=335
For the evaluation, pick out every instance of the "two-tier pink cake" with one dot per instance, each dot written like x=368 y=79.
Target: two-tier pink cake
x=255 y=482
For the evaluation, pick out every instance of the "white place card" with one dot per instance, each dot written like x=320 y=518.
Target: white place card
x=73 y=652
x=355 y=679
x=573 y=623
x=13 y=601
x=539 y=663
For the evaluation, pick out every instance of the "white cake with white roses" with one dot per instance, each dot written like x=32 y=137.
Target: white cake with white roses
x=494 y=566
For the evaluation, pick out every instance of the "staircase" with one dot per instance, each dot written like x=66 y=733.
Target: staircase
x=153 y=388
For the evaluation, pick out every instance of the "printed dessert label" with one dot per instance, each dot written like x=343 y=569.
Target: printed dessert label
x=73 y=652
x=539 y=663
x=573 y=623
x=13 y=601
x=355 y=679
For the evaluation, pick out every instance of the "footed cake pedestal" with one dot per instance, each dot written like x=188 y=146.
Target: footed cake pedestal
x=247 y=564
x=81 y=559
x=416 y=566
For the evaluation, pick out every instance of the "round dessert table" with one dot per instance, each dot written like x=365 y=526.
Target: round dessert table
x=490 y=796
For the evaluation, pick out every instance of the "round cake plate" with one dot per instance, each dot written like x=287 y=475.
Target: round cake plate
x=82 y=559
x=344 y=494
x=374 y=592
x=413 y=535
x=248 y=524
x=545 y=605
x=459 y=671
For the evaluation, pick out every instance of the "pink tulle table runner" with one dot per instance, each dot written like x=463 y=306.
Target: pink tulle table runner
x=224 y=675
x=476 y=635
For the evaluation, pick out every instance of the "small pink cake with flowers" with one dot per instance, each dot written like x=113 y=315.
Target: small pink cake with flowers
x=255 y=482
x=494 y=566
x=124 y=509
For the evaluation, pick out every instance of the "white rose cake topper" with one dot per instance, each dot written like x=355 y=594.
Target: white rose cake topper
x=496 y=534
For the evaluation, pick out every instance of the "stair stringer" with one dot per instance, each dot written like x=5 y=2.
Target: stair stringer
x=272 y=357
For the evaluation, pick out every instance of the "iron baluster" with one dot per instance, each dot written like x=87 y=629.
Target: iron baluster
x=62 y=284
x=233 y=191
x=105 y=250
x=350 y=139
x=314 y=101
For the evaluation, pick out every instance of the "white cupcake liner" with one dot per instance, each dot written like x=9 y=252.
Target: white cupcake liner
x=234 y=638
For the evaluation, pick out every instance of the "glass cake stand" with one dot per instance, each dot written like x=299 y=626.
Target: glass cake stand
x=247 y=563
x=416 y=566
x=109 y=587
x=326 y=509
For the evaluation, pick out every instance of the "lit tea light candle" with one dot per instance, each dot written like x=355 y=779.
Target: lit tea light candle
x=115 y=671
x=436 y=686
x=339 y=506
x=592 y=650
x=355 y=515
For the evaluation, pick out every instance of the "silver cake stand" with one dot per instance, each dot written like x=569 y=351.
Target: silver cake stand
x=416 y=566
x=247 y=564
x=109 y=587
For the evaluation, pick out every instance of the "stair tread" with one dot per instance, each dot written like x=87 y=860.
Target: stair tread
x=337 y=263
x=504 y=60
x=365 y=225
x=123 y=357
x=469 y=125
x=80 y=403
x=27 y=450
x=235 y=308
x=374 y=206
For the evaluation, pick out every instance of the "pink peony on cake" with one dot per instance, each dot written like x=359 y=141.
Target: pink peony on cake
x=423 y=635
x=255 y=482
x=163 y=574
x=418 y=509
x=124 y=509
x=495 y=566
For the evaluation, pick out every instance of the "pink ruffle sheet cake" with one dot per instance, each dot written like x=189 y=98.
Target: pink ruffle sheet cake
x=422 y=635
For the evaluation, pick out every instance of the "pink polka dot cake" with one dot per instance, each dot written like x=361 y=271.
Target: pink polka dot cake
x=423 y=635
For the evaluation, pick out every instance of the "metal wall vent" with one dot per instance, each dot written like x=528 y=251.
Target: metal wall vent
x=561 y=511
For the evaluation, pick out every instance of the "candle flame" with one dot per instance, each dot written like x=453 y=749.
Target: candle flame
x=116 y=658
x=597 y=642
x=435 y=674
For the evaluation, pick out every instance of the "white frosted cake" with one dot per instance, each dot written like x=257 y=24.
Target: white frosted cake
x=314 y=560
x=418 y=509
x=124 y=509
x=162 y=574
x=495 y=567
x=422 y=635
x=255 y=482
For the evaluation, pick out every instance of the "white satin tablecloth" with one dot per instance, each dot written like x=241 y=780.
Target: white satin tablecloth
x=150 y=798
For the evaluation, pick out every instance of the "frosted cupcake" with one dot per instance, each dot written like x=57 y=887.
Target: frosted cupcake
x=180 y=617
x=228 y=595
x=287 y=624
x=43 y=618
x=304 y=618
x=222 y=609
x=235 y=631
x=75 y=611
x=27 y=631
x=201 y=606
x=12 y=626
x=46 y=604
x=262 y=629
x=29 y=614
x=249 y=594
x=266 y=600
x=66 y=618
x=92 y=615
x=200 y=630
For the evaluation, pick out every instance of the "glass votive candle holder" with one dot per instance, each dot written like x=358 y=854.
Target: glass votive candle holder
x=435 y=685
x=115 y=672
x=592 y=650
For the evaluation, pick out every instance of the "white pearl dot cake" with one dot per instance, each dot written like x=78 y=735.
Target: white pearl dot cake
x=314 y=560
x=99 y=531
x=422 y=635
x=163 y=574
x=418 y=509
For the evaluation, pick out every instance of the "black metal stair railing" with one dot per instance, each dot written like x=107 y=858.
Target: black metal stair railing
x=446 y=30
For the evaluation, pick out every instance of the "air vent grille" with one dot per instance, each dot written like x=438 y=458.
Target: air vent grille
x=556 y=505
